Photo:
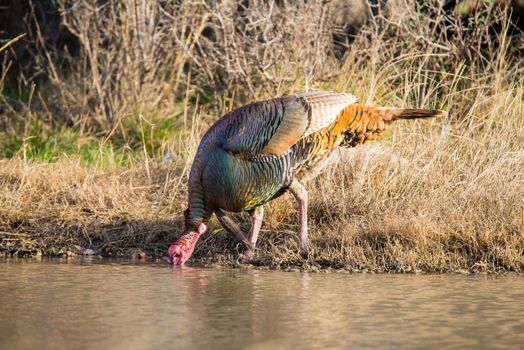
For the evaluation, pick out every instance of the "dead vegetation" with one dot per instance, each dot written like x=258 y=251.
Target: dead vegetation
x=436 y=196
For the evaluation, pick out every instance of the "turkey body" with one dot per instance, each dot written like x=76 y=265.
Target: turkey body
x=254 y=153
x=238 y=184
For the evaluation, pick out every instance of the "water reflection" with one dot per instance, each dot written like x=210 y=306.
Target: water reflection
x=143 y=306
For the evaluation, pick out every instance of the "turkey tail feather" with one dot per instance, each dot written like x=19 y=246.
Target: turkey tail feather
x=358 y=123
x=413 y=113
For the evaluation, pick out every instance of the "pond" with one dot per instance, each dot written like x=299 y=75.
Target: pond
x=101 y=304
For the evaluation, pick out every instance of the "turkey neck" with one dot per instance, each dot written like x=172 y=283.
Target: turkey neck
x=197 y=211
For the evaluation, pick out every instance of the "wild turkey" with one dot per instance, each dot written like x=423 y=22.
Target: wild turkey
x=256 y=152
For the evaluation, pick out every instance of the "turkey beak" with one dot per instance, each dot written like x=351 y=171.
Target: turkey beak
x=168 y=259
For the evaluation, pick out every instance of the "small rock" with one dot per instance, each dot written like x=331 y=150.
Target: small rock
x=89 y=252
x=291 y=269
x=138 y=254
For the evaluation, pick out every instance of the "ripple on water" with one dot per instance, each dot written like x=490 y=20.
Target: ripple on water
x=102 y=304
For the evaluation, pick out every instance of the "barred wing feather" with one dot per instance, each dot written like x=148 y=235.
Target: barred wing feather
x=272 y=127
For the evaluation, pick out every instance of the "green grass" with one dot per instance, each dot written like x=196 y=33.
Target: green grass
x=64 y=142
x=33 y=141
x=151 y=133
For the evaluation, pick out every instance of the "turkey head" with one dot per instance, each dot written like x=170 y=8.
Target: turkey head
x=182 y=249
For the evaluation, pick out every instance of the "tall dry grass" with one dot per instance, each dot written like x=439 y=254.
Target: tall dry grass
x=143 y=55
x=436 y=196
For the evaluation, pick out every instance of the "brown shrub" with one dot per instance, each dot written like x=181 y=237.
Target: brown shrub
x=142 y=56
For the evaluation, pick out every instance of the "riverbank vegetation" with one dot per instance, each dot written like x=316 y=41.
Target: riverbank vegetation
x=98 y=134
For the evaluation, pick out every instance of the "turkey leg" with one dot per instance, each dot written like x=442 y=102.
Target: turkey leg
x=257 y=215
x=300 y=193
x=233 y=228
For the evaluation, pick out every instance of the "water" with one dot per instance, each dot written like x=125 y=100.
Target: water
x=100 y=305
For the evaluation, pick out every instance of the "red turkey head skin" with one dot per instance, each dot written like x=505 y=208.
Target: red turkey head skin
x=182 y=249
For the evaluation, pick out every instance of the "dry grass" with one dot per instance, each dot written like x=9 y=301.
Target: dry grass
x=142 y=55
x=436 y=196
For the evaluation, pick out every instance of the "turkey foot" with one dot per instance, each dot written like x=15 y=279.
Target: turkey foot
x=257 y=215
x=300 y=193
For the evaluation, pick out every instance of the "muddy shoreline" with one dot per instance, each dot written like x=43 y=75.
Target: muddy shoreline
x=228 y=261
